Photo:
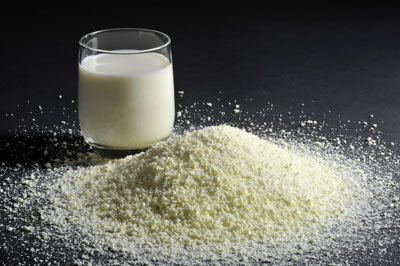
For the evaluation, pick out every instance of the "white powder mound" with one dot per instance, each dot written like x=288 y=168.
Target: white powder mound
x=61 y=204
x=209 y=190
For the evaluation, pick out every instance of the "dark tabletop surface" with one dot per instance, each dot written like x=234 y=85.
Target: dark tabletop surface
x=343 y=60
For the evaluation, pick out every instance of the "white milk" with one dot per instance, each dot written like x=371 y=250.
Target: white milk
x=126 y=101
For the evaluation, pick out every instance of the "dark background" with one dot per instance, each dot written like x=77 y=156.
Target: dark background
x=342 y=59
x=345 y=59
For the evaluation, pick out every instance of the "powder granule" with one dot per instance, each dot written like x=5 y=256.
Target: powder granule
x=219 y=185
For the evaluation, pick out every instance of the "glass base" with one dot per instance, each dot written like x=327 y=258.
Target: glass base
x=110 y=152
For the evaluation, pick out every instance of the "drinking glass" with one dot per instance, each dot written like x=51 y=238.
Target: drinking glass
x=125 y=88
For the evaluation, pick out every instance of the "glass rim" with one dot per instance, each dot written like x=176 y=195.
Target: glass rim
x=81 y=43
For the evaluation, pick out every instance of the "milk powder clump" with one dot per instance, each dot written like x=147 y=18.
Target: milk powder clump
x=218 y=185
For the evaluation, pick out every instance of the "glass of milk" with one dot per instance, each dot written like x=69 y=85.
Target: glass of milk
x=126 y=88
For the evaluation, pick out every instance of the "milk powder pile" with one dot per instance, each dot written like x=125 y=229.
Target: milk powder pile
x=268 y=189
x=218 y=187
